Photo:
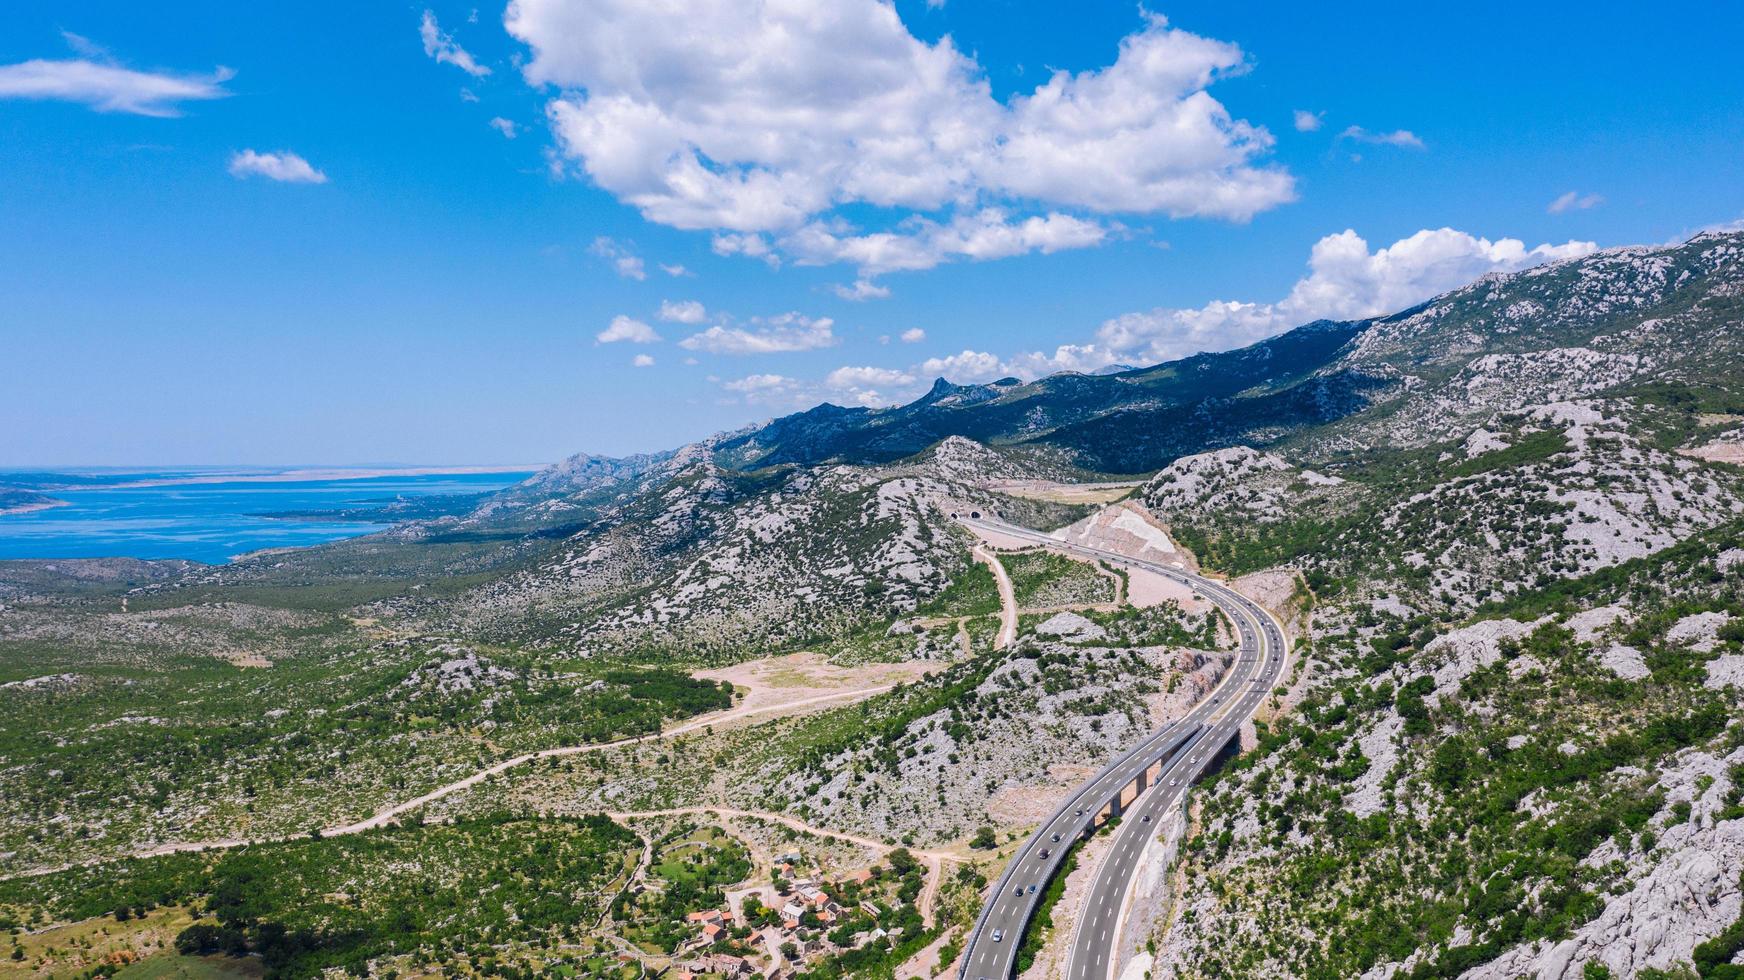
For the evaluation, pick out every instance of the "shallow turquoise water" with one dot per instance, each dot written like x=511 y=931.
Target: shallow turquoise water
x=211 y=522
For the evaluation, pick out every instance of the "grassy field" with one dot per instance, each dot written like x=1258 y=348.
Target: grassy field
x=172 y=966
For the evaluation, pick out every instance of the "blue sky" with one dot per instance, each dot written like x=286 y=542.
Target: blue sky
x=243 y=233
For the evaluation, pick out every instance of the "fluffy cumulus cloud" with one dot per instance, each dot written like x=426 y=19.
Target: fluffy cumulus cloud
x=921 y=243
x=642 y=360
x=623 y=328
x=441 y=46
x=872 y=387
x=108 y=87
x=505 y=126
x=1346 y=280
x=864 y=377
x=759 y=383
x=774 y=390
x=765 y=335
x=682 y=311
x=968 y=367
x=1308 y=121
x=283 y=166
x=979 y=367
x=759 y=120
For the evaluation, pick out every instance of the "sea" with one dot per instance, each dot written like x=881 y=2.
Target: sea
x=213 y=522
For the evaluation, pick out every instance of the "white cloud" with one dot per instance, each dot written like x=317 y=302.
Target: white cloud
x=441 y=46
x=623 y=328
x=1163 y=334
x=758 y=382
x=468 y=95
x=765 y=389
x=1345 y=281
x=921 y=243
x=862 y=290
x=862 y=386
x=1574 y=201
x=843 y=386
x=969 y=367
x=1398 y=137
x=682 y=311
x=913 y=335
x=109 y=87
x=84 y=47
x=846 y=378
x=675 y=271
x=773 y=335
x=505 y=126
x=625 y=262
x=1716 y=228
x=283 y=166
x=979 y=367
x=642 y=360
x=1084 y=358
x=759 y=120
x=1308 y=122
x=751 y=246
x=1141 y=135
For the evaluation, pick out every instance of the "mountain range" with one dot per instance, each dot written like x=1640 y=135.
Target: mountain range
x=1504 y=527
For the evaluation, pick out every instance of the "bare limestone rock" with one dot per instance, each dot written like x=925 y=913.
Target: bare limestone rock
x=1726 y=670
x=1624 y=661
x=1588 y=624
x=1071 y=626
x=1700 y=632
x=1465 y=650
x=1380 y=745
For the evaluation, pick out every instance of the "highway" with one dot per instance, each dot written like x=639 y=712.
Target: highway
x=1184 y=748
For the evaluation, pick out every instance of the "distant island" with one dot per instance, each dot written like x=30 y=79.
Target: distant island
x=13 y=501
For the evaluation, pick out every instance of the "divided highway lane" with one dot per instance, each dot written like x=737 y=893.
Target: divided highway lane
x=993 y=944
x=1187 y=745
x=1101 y=920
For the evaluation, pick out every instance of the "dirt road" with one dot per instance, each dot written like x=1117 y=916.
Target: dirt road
x=1007 y=600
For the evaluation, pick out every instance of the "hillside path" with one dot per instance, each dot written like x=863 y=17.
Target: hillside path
x=383 y=817
x=1007 y=600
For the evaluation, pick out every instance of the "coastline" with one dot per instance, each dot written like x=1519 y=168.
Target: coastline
x=305 y=475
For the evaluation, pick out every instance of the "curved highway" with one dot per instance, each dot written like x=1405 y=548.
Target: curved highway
x=1183 y=748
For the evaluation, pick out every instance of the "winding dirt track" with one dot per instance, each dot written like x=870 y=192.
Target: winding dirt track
x=383 y=817
x=726 y=717
x=1007 y=600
